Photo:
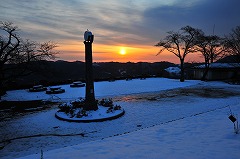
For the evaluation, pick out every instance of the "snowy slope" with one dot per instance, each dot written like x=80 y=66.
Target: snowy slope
x=173 y=126
x=199 y=137
x=119 y=87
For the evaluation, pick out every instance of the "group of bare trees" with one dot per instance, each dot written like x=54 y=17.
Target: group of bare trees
x=232 y=43
x=191 y=40
x=17 y=56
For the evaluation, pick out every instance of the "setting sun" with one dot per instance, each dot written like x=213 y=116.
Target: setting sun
x=122 y=51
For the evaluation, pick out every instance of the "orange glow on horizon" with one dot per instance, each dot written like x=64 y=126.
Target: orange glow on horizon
x=74 y=51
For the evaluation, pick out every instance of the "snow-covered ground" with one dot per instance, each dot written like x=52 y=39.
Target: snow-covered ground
x=120 y=87
x=161 y=121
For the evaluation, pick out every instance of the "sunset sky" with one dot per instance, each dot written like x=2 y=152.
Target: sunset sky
x=124 y=30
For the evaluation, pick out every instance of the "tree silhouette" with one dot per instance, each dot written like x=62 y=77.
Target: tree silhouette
x=211 y=48
x=232 y=43
x=17 y=55
x=181 y=44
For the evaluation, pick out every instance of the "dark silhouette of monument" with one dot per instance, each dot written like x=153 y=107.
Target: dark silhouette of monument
x=90 y=102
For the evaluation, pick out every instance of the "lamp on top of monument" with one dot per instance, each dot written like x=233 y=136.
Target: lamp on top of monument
x=88 y=36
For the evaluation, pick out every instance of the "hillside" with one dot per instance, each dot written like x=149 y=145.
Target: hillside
x=60 y=72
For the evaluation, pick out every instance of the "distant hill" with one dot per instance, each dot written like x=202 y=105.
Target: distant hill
x=230 y=59
x=60 y=72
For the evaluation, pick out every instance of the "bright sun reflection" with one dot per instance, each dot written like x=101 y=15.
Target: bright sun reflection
x=122 y=51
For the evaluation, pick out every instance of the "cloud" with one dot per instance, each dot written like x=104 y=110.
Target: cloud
x=203 y=15
x=118 y=22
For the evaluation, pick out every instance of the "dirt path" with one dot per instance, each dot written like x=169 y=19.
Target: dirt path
x=205 y=92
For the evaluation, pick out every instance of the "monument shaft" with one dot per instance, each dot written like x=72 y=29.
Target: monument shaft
x=91 y=103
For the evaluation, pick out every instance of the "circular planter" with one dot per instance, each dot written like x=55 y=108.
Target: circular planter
x=93 y=116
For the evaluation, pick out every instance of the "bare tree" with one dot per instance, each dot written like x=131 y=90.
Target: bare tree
x=232 y=43
x=211 y=48
x=180 y=44
x=17 y=55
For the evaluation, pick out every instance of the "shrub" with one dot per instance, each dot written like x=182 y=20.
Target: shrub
x=72 y=112
x=113 y=108
x=117 y=107
x=65 y=107
x=76 y=108
x=69 y=106
x=106 y=102
x=110 y=109
x=81 y=113
x=79 y=103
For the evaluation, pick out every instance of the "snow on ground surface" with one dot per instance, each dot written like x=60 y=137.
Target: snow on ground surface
x=119 y=87
x=161 y=121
